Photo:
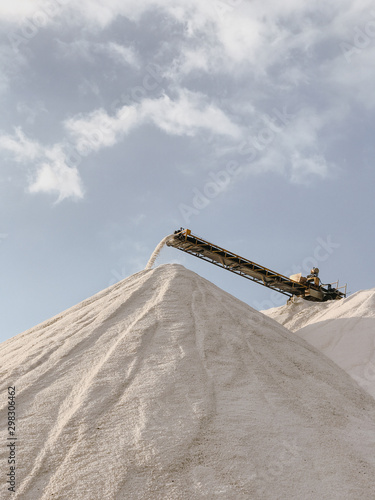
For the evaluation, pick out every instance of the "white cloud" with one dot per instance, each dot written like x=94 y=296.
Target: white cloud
x=18 y=12
x=52 y=174
x=56 y=177
x=98 y=129
x=21 y=148
x=225 y=36
x=291 y=147
x=262 y=49
x=186 y=115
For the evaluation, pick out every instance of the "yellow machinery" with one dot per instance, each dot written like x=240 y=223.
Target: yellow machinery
x=310 y=287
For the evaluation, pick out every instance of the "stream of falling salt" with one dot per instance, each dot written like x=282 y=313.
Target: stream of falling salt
x=156 y=252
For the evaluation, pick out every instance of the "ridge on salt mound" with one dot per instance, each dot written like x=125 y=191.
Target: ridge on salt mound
x=163 y=386
x=343 y=330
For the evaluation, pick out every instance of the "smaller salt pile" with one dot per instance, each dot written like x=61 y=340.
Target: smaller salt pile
x=344 y=330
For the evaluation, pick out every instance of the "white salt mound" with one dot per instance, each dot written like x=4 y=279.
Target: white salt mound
x=166 y=387
x=343 y=330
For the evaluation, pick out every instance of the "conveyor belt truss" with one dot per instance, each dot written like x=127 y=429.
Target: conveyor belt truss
x=185 y=241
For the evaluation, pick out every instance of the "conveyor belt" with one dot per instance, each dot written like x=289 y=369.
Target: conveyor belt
x=185 y=241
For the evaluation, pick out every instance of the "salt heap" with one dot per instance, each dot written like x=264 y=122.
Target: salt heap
x=344 y=330
x=163 y=386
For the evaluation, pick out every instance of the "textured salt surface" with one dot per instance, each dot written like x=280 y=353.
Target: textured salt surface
x=343 y=330
x=166 y=387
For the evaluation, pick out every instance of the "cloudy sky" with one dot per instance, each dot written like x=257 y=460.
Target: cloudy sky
x=249 y=121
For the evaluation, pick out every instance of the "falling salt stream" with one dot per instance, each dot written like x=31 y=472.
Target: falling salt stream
x=157 y=251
